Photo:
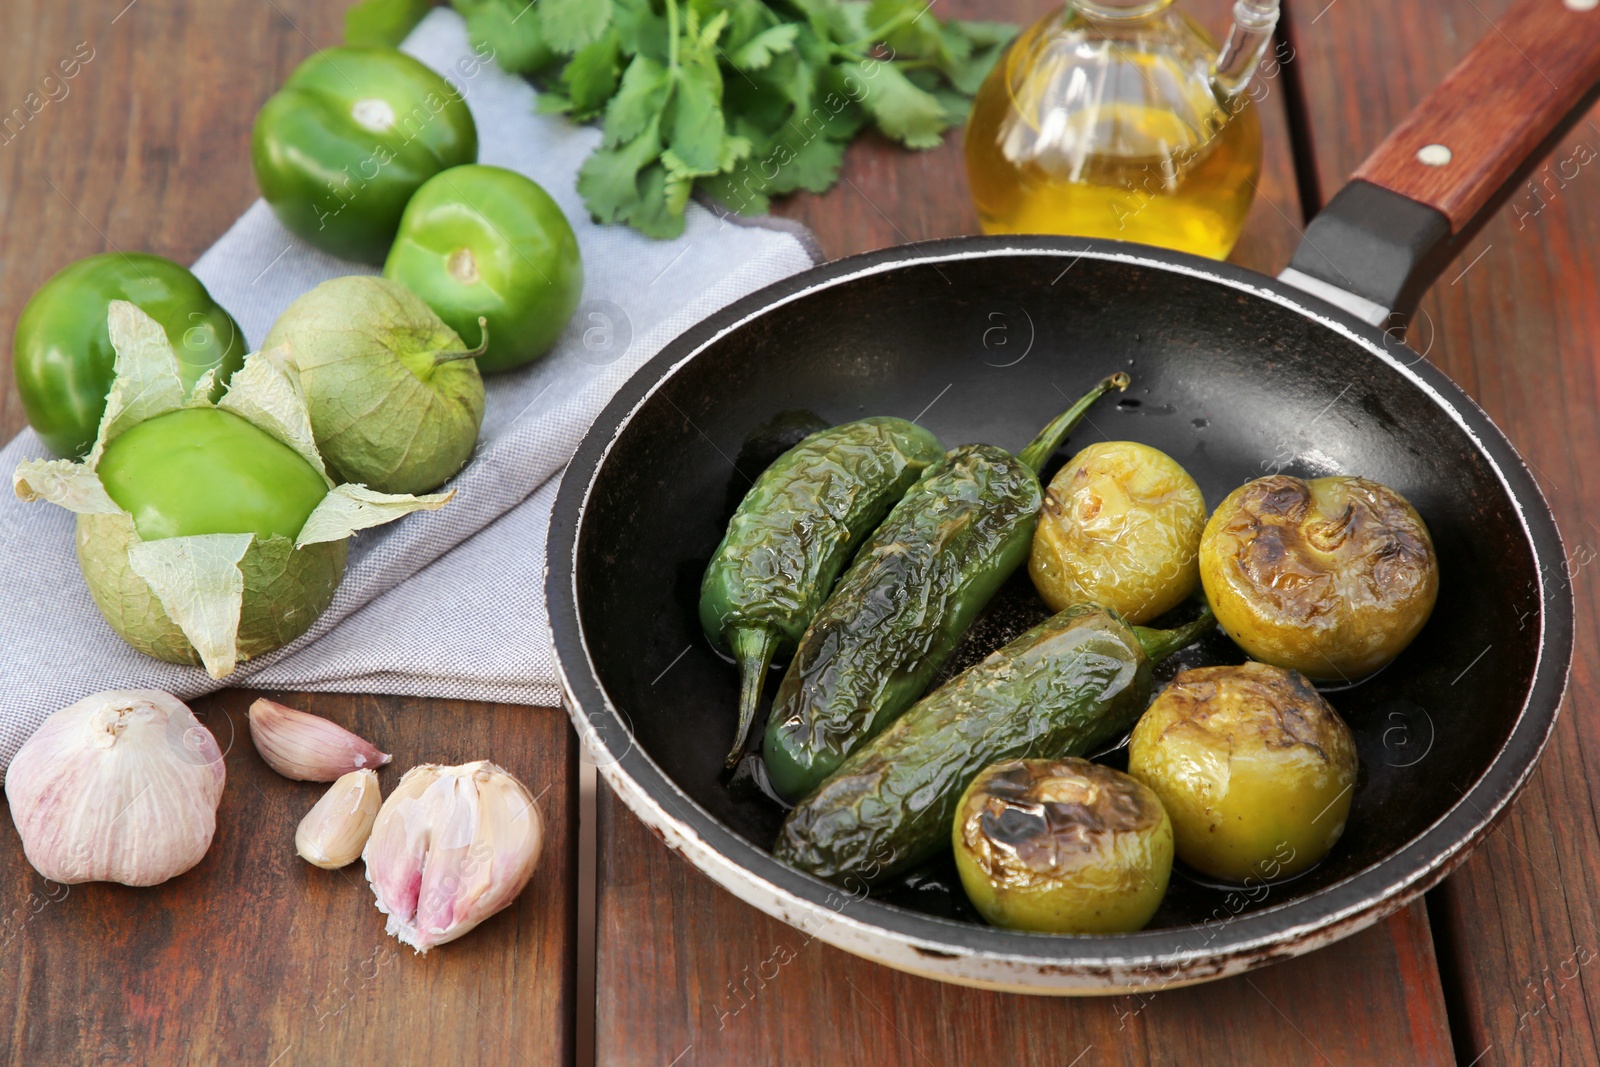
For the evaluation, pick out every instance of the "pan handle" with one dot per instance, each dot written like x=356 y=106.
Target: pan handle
x=1451 y=163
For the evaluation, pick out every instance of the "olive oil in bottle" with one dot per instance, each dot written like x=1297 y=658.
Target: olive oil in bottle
x=1119 y=119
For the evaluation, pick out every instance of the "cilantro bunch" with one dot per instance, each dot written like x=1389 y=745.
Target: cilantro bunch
x=743 y=100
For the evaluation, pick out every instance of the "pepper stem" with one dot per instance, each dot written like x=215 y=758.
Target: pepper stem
x=752 y=647
x=1051 y=436
x=1159 y=644
x=470 y=353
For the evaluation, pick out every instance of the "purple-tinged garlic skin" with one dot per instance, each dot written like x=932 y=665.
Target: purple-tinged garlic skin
x=307 y=747
x=122 y=786
x=451 y=846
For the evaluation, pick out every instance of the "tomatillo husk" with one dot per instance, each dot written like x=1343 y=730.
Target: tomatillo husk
x=198 y=585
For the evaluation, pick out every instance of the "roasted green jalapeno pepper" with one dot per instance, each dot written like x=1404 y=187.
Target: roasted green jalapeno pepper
x=899 y=610
x=1075 y=681
x=792 y=535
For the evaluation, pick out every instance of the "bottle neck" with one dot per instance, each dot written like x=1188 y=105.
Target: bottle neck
x=1118 y=10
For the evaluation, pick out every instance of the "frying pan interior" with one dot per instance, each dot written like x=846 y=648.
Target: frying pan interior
x=989 y=348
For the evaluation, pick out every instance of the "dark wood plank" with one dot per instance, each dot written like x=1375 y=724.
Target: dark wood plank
x=255 y=956
x=688 y=974
x=686 y=970
x=1515 y=321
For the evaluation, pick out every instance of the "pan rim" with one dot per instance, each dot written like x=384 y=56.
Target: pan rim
x=1008 y=959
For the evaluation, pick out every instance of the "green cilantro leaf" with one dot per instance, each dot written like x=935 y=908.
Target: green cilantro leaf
x=902 y=111
x=570 y=24
x=757 y=53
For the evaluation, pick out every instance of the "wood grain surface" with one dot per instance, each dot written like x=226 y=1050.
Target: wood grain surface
x=1514 y=89
x=254 y=956
x=1516 y=321
x=687 y=974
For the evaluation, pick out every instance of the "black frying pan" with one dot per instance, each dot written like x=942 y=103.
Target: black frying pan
x=1235 y=375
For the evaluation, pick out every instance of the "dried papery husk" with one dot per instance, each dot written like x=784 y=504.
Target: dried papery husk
x=212 y=599
x=122 y=786
x=451 y=847
x=364 y=344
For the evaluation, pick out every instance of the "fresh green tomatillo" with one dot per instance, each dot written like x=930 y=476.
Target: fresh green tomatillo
x=479 y=241
x=62 y=355
x=353 y=133
x=207 y=471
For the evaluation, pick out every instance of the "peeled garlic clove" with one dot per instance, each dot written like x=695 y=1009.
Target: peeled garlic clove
x=308 y=747
x=451 y=846
x=122 y=786
x=335 y=829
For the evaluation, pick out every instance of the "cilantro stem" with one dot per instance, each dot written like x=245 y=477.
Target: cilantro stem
x=672 y=37
x=873 y=36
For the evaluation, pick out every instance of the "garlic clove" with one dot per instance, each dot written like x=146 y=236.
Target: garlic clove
x=122 y=786
x=308 y=747
x=336 y=828
x=450 y=847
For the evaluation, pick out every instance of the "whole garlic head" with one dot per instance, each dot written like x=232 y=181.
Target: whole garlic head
x=122 y=786
x=451 y=846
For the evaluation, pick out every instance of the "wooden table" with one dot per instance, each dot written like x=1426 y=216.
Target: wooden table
x=255 y=957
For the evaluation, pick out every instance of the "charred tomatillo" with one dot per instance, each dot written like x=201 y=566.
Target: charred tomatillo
x=479 y=241
x=205 y=471
x=62 y=355
x=1063 y=846
x=353 y=133
x=1254 y=767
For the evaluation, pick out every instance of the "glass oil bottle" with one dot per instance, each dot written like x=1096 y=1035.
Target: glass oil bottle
x=1119 y=118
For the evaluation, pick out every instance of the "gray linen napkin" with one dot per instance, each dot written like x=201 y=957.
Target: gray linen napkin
x=444 y=604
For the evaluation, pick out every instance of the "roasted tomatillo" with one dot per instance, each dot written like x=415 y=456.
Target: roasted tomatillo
x=1255 y=768
x=62 y=355
x=1120 y=526
x=206 y=471
x=1331 y=577
x=353 y=133
x=1062 y=846
x=479 y=241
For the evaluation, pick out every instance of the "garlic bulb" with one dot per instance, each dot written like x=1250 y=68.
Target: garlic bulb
x=307 y=747
x=451 y=846
x=122 y=786
x=335 y=829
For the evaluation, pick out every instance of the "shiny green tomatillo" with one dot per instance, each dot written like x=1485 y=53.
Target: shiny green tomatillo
x=206 y=471
x=479 y=241
x=353 y=133
x=62 y=355
x=912 y=591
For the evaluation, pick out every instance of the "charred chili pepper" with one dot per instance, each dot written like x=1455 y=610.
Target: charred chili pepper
x=914 y=587
x=793 y=533
x=1075 y=681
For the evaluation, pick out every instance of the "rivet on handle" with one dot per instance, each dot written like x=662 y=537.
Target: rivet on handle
x=1437 y=155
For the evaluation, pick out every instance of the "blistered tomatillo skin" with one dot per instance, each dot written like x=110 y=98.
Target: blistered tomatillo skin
x=206 y=471
x=1062 y=846
x=1254 y=767
x=1332 y=577
x=486 y=241
x=62 y=354
x=1121 y=527
x=353 y=133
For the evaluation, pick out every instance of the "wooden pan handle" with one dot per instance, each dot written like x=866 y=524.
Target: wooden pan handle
x=1464 y=142
x=1382 y=240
